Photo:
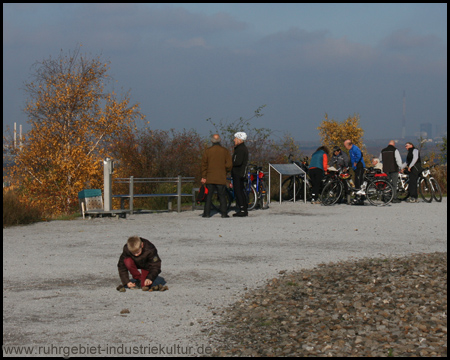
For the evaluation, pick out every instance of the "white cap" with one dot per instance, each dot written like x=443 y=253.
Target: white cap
x=241 y=135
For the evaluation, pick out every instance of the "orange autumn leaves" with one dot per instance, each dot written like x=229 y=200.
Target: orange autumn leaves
x=74 y=120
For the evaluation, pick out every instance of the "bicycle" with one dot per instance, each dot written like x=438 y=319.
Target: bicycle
x=437 y=192
x=287 y=186
x=255 y=176
x=427 y=186
x=375 y=188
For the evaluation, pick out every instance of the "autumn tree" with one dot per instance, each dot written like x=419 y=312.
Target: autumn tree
x=73 y=121
x=334 y=133
x=258 y=138
x=159 y=153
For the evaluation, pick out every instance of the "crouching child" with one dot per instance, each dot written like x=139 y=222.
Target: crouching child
x=139 y=253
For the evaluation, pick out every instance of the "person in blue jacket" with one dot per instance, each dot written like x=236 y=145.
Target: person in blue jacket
x=357 y=163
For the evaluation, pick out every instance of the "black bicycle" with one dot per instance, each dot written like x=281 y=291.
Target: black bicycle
x=255 y=177
x=376 y=188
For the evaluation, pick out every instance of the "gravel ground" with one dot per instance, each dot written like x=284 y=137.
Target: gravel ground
x=60 y=277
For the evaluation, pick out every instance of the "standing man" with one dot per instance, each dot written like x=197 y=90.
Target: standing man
x=216 y=162
x=240 y=160
x=358 y=165
x=414 y=165
x=392 y=163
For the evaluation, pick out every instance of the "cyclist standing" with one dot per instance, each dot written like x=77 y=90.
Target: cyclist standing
x=413 y=163
x=358 y=165
x=392 y=162
x=240 y=160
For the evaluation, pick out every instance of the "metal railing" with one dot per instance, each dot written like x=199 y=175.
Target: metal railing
x=178 y=180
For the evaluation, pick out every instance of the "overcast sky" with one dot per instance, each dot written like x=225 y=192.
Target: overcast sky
x=185 y=63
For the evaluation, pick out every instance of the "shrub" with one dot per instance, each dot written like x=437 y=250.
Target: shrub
x=440 y=174
x=17 y=212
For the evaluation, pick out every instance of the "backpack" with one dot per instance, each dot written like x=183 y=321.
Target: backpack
x=202 y=192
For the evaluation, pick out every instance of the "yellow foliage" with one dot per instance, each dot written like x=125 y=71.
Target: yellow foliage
x=334 y=133
x=73 y=122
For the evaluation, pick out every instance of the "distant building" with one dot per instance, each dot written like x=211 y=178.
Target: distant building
x=441 y=130
x=425 y=130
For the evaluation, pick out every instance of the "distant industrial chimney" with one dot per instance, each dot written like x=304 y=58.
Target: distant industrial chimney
x=404 y=116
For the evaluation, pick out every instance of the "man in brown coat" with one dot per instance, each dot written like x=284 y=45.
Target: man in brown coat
x=216 y=163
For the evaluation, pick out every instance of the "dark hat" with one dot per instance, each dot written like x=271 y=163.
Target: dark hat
x=336 y=148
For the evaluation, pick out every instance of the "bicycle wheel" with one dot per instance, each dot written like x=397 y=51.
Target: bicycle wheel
x=263 y=200
x=379 y=192
x=215 y=203
x=425 y=190
x=287 y=188
x=331 y=193
x=251 y=196
x=437 y=193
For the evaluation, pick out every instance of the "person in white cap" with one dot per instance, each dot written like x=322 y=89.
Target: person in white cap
x=240 y=160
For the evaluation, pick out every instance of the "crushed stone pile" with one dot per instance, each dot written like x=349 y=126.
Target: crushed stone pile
x=370 y=307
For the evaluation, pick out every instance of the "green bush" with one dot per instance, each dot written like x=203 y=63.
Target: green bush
x=16 y=212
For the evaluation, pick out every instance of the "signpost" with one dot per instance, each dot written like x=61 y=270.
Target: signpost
x=287 y=170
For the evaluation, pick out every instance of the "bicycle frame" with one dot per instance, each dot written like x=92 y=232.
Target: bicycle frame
x=256 y=181
x=428 y=191
x=377 y=190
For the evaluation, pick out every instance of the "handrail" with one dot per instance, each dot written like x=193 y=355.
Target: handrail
x=178 y=180
x=150 y=180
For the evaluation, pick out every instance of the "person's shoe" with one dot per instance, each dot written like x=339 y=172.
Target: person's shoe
x=396 y=201
x=146 y=288
x=225 y=216
x=206 y=216
x=121 y=288
x=241 y=214
x=361 y=192
x=358 y=202
x=412 y=200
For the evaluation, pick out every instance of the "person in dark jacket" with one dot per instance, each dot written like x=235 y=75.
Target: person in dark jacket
x=216 y=163
x=339 y=160
x=240 y=160
x=392 y=163
x=316 y=171
x=139 y=253
x=414 y=166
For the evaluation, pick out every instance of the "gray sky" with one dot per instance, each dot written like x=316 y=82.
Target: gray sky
x=185 y=63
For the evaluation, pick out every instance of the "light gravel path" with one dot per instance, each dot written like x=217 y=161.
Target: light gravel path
x=60 y=277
